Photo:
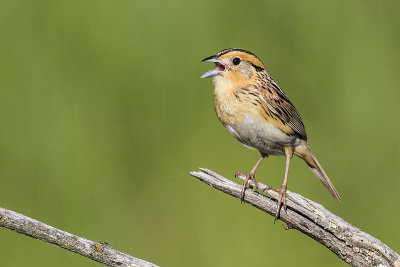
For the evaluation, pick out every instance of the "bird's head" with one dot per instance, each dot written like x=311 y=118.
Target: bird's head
x=234 y=64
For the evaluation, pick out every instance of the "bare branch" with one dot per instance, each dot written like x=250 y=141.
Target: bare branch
x=100 y=252
x=349 y=243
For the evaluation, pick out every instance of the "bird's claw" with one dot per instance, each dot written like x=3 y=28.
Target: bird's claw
x=249 y=176
x=281 y=200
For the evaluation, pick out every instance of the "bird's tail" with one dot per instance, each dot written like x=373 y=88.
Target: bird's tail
x=304 y=151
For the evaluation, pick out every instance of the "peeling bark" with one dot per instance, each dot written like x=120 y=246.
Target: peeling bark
x=349 y=243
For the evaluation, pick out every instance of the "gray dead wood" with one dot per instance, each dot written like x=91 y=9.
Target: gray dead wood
x=349 y=243
x=100 y=252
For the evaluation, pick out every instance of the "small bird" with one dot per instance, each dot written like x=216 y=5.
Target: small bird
x=255 y=110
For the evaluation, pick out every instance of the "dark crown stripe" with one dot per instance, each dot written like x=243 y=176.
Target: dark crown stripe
x=225 y=51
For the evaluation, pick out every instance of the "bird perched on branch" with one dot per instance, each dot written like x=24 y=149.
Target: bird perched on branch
x=255 y=110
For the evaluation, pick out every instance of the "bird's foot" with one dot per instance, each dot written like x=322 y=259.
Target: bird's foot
x=249 y=176
x=281 y=200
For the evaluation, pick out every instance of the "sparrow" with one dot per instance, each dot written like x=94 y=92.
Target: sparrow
x=256 y=111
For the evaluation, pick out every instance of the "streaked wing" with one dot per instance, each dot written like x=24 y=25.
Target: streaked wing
x=279 y=104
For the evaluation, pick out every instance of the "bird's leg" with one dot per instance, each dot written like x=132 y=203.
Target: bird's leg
x=282 y=189
x=249 y=176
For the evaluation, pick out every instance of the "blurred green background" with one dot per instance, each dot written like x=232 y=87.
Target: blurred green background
x=103 y=114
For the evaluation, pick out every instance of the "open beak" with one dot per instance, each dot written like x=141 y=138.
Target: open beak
x=219 y=67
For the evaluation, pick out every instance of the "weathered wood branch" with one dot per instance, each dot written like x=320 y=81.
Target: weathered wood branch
x=349 y=243
x=100 y=252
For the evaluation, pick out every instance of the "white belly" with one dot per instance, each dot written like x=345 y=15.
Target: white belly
x=262 y=136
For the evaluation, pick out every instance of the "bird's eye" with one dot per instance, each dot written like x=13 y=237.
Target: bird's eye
x=236 y=61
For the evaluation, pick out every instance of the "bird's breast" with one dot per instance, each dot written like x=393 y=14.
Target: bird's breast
x=226 y=105
x=244 y=121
